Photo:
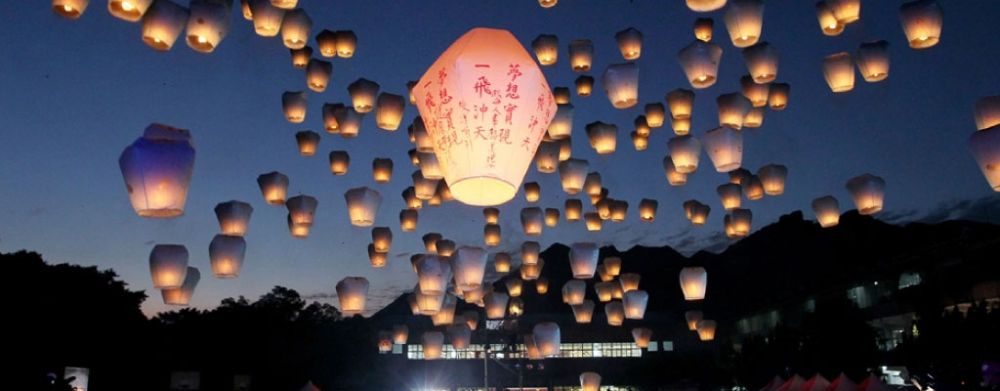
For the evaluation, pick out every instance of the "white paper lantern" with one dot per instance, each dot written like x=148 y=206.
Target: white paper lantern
x=168 y=264
x=583 y=259
x=157 y=169
x=694 y=281
x=226 y=254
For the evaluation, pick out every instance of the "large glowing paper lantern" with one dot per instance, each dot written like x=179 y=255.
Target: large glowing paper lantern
x=762 y=62
x=182 y=295
x=744 y=20
x=484 y=68
x=162 y=23
x=868 y=192
x=694 y=281
x=985 y=146
x=703 y=29
x=621 y=83
x=362 y=205
x=352 y=293
x=773 y=177
x=700 y=61
x=684 y=152
x=574 y=291
x=838 y=69
x=700 y=6
x=168 y=264
x=635 y=302
x=583 y=259
x=873 y=61
x=827 y=211
x=547 y=338
x=274 y=187
x=69 y=9
x=226 y=255
x=733 y=108
x=295 y=29
x=987 y=112
x=234 y=217
x=546 y=49
x=208 y=24
x=724 y=146
x=629 y=43
x=922 y=20
x=432 y=343
x=157 y=169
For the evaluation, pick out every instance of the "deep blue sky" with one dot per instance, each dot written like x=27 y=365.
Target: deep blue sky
x=75 y=93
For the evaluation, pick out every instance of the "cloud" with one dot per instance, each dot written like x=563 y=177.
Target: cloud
x=984 y=209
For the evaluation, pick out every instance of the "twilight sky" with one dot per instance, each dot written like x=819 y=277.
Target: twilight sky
x=75 y=93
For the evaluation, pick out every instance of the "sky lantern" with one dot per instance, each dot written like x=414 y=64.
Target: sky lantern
x=744 y=21
x=753 y=188
x=987 y=112
x=297 y=230
x=532 y=221
x=593 y=221
x=430 y=168
x=635 y=302
x=621 y=83
x=492 y=215
x=547 y=157
x=733 y=108
x=574 y=291
x=410 y=199
x=326 y=41
x=347 y=43
x=548 y=3
x=423 y=187
x=433 y=274
x=363 y=93
x=777 y=97
x=654 y=117
x=642 y=125
x=515 y=307
x=873 y=61
x=408 y=220
x=604 y=290
x=754 y=118
x=208 y=24
x=429 y=303
x=573 y=172
x=348 y=121
x=302 y=209
x=308 y=142
x=400 y=334
x=432 y=343
x=266 y=18
x=352 y=293
x=740 y=221
x=382 y=170
x=639 y=141
x=285 y=4
x=162 y=23
x=584 y=85
x=641 y=336
x=838 y=69
x=681 y=103
x=562 y=124
x=340 y=161
x=128 y=10
x=614 y=311
x=647 y=209
x=985 y=146
x=922 y=20
x=574 y=209
x=430 y=240
x=603 y=207
x=827 y=211
x=478 y=68
x=703 y=29
x=69 y=9
x=706 y=330
x=330 y=112
x=868 y=192
x=739 y=176
x=514 y=286
x=501 y=262
x=551 y=217
x=459 y=335
x=692 y=317
x=446 y=315
x=828 y=22
x=699 y=213
x=700 y=6
x=694 y=281
x=532 y=272
x=274 y=187
x=182 y=295
x=226 y=254
x=591 y=381
x=362 y=205
x=382 y=239
x=603 y=137
x=583 y=259
x=724 y=145
x=684 y=151
x=845 y=11
x=295 y=29
x=773 y=177
x=446 y=247
x=470 y=267
x=546 y=47
x=629 y=43
x=168 y=264
x=384 y=342
x=318 y=74
x=619 y=209
x=583 y=312
x=756 y=93
x=234 y=217
x=294 y=104
x=700 y=61
x=581 y=54
x=561 y=95
x=491 y=235
x=157 y=169
x=389 y=111
x=532 y=191
x=496 y=305
x=762 y=62
x=547 y=338
x=592 y=184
